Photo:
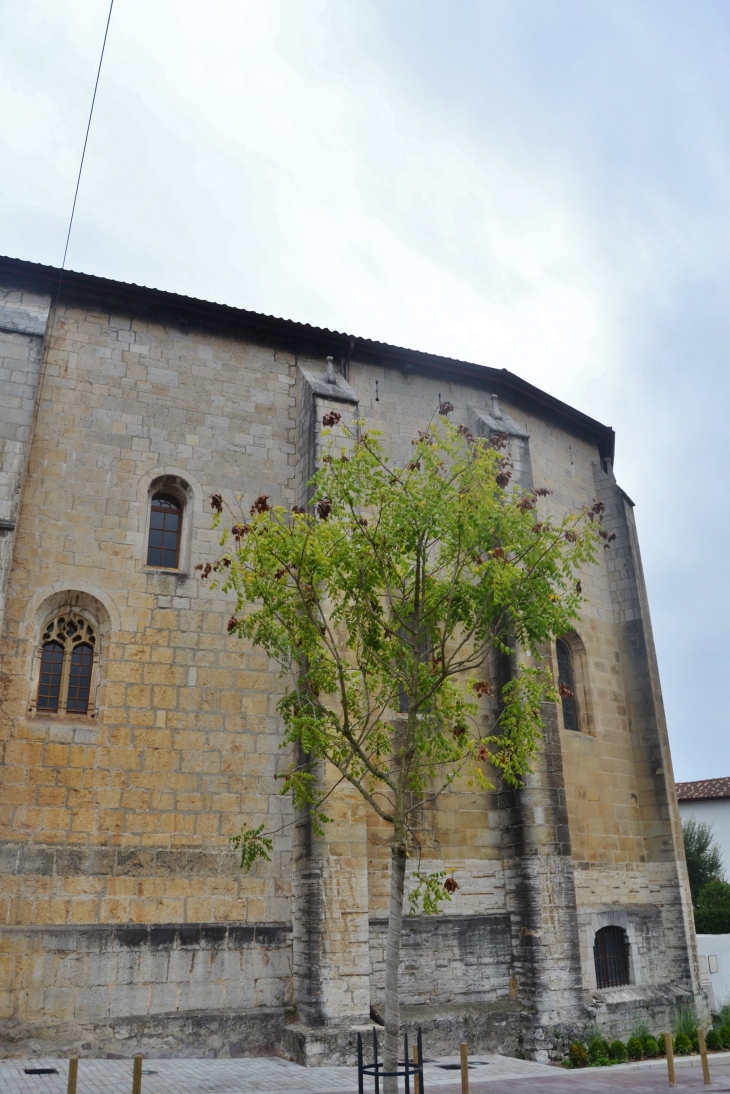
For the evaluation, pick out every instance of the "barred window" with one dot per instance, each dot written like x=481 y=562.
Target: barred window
x=163 y=547
x=566 y=686
x=611 y=955
x=68 y=650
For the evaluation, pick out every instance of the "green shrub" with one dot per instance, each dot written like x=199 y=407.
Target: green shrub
x=661 y=1045
x=704 y=858
x=712 y=920
x=716 y=894
x=597 y=1052
x=578 y=1055
x=722 y=1014
x=685 y=1019
x=724 y=1032
x=649 y=1046
x=634 y=1048
x=617 y=1052
x=640 y=1029
x=713 y=1040
x=695 y=1041
x=682 y=1045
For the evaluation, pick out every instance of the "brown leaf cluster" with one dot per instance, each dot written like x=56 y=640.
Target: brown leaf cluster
x=324 y=508
x=261 y=505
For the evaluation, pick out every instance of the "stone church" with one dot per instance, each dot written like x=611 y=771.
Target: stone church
x=137 y=736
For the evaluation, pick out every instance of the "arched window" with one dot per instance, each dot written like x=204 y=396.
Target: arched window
x=163 y=548
x=611 y=955
x=566 y=686
x=67 y=657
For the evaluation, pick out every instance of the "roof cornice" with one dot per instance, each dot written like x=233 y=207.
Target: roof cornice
x=297 y=337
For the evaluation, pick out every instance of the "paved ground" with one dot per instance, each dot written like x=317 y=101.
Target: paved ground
x=273 y=1076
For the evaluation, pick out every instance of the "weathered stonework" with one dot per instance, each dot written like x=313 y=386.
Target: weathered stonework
x=125 y=923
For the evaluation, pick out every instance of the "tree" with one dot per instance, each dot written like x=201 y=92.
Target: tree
x=712 y=913
x=704 y=860
x=388 y=603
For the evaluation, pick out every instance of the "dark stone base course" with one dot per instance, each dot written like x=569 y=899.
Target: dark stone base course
x=503 y=1027
x=131 y=936
x=44 y=861
x=506 y=1027
x=208 y=1034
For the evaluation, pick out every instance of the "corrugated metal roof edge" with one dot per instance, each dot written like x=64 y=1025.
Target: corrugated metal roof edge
x=268 y=327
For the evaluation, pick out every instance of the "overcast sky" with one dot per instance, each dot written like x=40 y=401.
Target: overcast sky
x=540 y=186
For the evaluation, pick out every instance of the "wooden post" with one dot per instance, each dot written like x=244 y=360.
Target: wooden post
x=464 y=1068
x=670 y=1058
x=416 y=1078
x=73 y=1071
x=137 y=1076
x=703 y=1054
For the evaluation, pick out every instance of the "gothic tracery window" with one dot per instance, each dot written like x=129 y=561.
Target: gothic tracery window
x=163 y=546
x=611 y=956
x=67 y=655
x=566 y=686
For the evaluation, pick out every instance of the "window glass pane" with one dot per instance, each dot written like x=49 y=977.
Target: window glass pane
x=565 y=677
x=163 y=546
x=79 y=682
x=166 y=502
x=49 y=685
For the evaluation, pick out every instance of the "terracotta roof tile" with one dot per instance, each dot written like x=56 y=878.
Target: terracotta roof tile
x=703 y=789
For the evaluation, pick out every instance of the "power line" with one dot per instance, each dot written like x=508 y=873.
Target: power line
x=53 y=308
x=86 y=140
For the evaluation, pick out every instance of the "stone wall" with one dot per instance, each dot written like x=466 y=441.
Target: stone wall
x=115 y=827
x=23 y=318
x=122 y=988
x=126 y=818
x=446 y=959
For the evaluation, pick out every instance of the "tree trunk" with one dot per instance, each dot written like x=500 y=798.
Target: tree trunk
x=392 y=963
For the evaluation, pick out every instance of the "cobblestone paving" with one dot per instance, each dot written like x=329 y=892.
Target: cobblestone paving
x=268 y=1075
x=271 y=1075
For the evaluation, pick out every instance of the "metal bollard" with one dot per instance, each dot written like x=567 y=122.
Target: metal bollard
x=137 y=1075
x=464 y=1068
x=73 y=1072
x=670 y=1058
x=703 y=1055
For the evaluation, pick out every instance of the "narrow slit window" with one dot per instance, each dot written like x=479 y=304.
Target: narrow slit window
x=49 y=685
x=163 y=548
x=611 y=955
x=566 y=686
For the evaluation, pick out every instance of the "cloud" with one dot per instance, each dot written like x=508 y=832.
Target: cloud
x=532 y=185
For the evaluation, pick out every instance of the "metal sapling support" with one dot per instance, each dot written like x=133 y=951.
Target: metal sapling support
x=405 y=1068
